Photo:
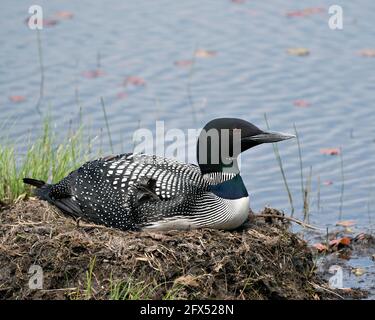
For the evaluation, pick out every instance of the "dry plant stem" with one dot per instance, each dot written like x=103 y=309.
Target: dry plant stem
x=188 y=88
x=342 y=183
x=107 y=124
x=41 y=87
x=300 y=163
x=303 y=224
x=325 y=289
x=279 y=161
x=318 y=195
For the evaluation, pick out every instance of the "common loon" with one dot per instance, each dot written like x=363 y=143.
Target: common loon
x=138 y=191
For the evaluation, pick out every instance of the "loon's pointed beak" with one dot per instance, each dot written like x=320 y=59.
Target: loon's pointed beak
x=270 y=137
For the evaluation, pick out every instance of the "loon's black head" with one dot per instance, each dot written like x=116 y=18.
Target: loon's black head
x=222 y=140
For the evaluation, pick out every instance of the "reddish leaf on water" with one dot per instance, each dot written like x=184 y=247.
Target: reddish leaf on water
x=64 y=15
x=330 y=151
x=92 y=74
x=17 y=98
x=345 y=241
x=202 y=53
x=301 y=103
x=183 y=63
x=47 y=22
x=328 y=183
x=346 y=223
x=320 y=247
x=135 y=81
x=121 y=95
x=369 y=53
x=238 y=1
x=50 y=22
x=304 y=13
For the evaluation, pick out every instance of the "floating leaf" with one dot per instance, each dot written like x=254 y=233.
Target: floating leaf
x=17 y=98
x=121 y=95
x=320 y=247
x=135 y=81
x=201 y=53
x=369 y=53
x=46 y=22
x=330 y=151
x=299 y=51
x=358 y=271
x=91 y=74
x=301 y=103
x=64 y=15
x=50 y=22
x=328 y=182
x=345 y=241
x=238 y=1
x=348 y=230
x=304 y=13
x=183 y=63
x=346 y=223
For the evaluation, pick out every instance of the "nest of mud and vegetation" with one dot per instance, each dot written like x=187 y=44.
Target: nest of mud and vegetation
x=262 y=260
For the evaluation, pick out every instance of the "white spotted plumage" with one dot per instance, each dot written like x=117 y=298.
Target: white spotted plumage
x=105 y=191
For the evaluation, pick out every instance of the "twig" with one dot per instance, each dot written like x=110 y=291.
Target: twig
x=60 y=289
x=316 y=286
x=342 y=183
x=190 y=97
x=318 y=195
x=98 y=60
x=306 y=204
x=88 y=225
x=303 y=224
x=300 y=161
x=41 y=88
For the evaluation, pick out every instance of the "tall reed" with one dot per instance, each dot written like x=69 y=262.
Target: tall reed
x=279 y=161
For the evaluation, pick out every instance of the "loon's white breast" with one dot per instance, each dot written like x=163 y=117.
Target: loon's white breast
x=225 y=214
x=239 y=212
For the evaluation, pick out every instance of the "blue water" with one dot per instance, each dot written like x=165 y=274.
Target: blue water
x=250 y=75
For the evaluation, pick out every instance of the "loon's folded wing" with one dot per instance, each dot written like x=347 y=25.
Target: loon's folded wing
x=145 y=190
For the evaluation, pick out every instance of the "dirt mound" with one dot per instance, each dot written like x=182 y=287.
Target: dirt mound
x=263 y=260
